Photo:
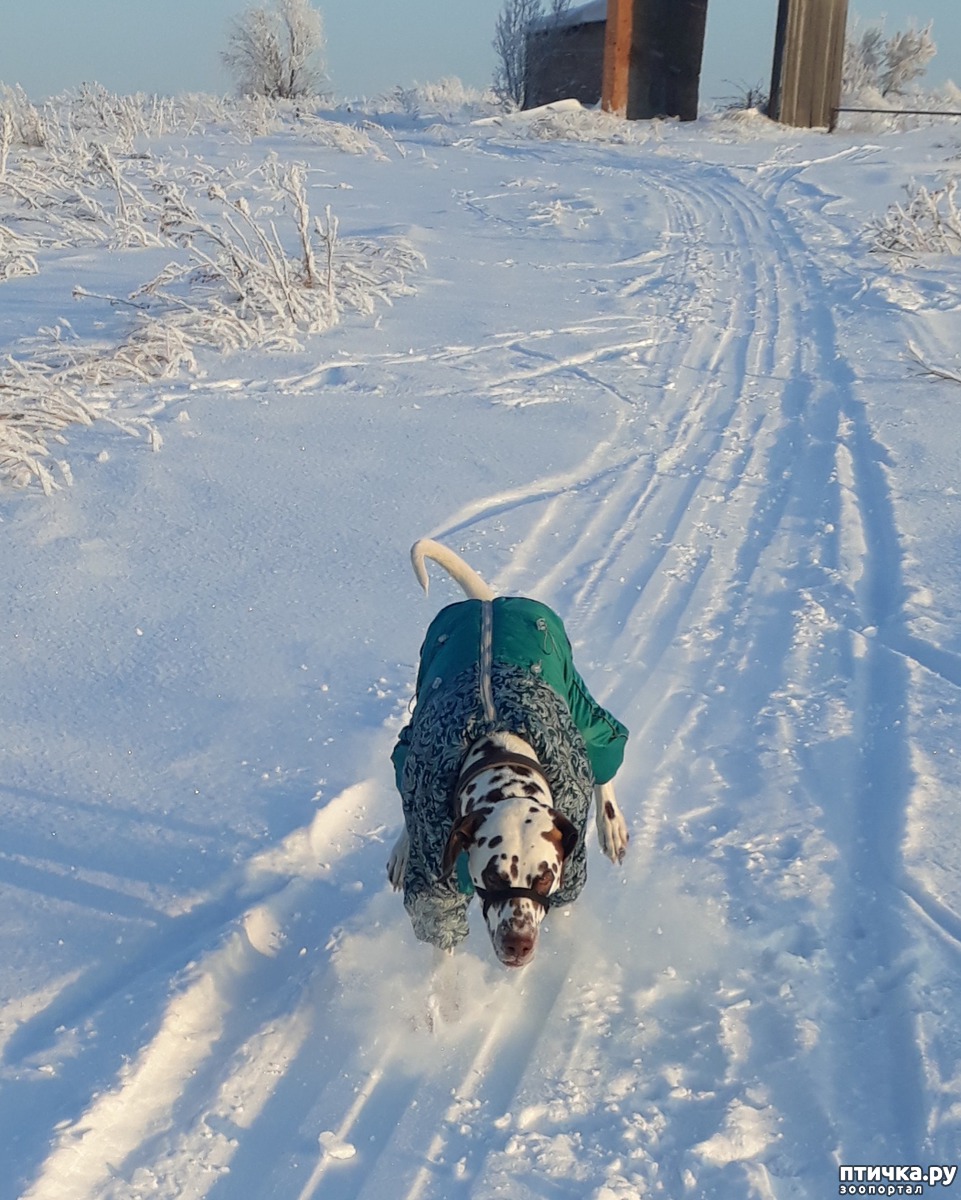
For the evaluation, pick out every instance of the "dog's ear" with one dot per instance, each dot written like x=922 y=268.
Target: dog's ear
x=568 y=832
x=461 y=837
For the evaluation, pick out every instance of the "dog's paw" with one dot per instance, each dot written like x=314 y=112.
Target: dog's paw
x=397 y=863
x=611 y=826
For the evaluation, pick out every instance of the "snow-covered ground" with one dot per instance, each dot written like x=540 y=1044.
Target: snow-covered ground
x=656 y=377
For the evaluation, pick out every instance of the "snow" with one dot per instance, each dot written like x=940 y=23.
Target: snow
x=654 y=375
x=582 y=14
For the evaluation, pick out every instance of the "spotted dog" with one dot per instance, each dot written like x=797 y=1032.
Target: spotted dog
x=497 y=769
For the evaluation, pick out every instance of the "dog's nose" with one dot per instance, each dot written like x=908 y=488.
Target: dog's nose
x=517 y=948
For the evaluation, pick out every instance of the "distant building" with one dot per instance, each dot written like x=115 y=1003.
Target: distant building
x=565 y=56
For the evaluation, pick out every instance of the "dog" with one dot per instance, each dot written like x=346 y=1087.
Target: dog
x=507 y=836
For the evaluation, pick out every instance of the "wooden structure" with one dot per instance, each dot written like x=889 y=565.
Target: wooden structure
x=808 y=60
x=652 y=58
x=653 y=49
x=565 y=57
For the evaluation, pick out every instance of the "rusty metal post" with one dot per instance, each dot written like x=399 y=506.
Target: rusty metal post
x=618 y=43
x=808 y=61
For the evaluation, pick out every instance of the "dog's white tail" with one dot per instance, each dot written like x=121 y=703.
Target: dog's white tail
x=452 y=563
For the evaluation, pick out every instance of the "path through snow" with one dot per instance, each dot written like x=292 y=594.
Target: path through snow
x=659 y=385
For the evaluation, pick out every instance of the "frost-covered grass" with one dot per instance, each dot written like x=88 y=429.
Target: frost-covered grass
x=251 y=264
x=444 y=100
x=244 y=284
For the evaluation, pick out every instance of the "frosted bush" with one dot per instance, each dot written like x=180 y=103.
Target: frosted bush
x=21 y=121
x=883 y=74
x=447 y=100
x=125 y=124
x=348 y=139
x=264 y=284
x=277 y=51
x=16 y=255
x=928 y=223
x=75 y=194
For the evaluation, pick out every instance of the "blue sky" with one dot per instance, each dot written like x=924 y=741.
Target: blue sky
x=169 y=46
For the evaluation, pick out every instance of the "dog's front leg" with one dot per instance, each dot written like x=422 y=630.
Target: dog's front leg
x=611 y=826
x=397 y=863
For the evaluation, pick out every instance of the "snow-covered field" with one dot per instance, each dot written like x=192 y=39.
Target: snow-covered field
x=655 y=376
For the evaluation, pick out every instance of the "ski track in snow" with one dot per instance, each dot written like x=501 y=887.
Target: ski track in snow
x=724 y=551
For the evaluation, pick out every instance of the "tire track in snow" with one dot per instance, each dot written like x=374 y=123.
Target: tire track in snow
x=239 y=1007
x=709 y=439
x=692 y=359
x=771 y=467
x=485 y=1084
x=600 y=368
x=706 y=436
x=758 y=463
x=398 y=1116
x=879 y=960
x=874 y=1038
x=799 y=486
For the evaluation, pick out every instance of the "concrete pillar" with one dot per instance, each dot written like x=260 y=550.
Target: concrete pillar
x=808 y=60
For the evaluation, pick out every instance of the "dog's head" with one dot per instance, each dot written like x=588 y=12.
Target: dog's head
x=516 y=844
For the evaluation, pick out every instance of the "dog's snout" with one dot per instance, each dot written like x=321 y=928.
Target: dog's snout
x=517 y=948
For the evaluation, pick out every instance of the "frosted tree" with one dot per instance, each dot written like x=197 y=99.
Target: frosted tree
x=906 y=59
x=277 y=52
x=886 y=64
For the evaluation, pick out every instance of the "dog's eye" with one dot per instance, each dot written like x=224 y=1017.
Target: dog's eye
x=544 y=881
x=494 y=876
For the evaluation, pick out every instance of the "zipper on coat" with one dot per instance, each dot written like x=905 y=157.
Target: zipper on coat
x=487 y=661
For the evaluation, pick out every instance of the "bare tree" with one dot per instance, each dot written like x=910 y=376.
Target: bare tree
x=513 y=44
x=277 y=51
